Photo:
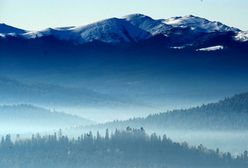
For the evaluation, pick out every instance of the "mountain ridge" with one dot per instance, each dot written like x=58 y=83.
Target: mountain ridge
x=28 y=118
x=7 y=29
x=230 y=113
x=133 y=28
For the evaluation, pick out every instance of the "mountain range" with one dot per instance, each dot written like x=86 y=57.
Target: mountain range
x=122 y=63
x=180 y=31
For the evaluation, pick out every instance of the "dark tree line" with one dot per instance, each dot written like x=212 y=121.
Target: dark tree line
x=228 y=114
x=131 y=148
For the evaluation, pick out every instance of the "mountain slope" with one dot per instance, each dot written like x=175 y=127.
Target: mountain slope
x=28 y=118
x=199 y=24
x=15 y=92
x=228 y=114
x=148 y=24
x=6 y=29
x=111 y=30
x=130 y=148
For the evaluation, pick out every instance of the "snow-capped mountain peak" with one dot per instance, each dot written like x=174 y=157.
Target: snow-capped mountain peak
x=148 y=24
x=111 y=30
x=199 y=24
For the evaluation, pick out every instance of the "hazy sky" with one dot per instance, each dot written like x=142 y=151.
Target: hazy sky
x=39 y=14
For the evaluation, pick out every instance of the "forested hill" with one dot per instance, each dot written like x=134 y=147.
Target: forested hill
x=27 y=118
x=228 y=114
x=132 y=148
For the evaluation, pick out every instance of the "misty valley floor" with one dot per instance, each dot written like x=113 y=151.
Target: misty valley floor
x=228 y=141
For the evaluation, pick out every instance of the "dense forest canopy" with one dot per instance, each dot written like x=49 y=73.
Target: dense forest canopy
x=131 y=148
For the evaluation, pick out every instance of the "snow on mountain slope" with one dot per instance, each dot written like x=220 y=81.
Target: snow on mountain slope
x=199 y=24
x=148 y=24
x=2 y=35
x=181 y=31
x=6 y=29
x=213 y=48
x=60 y=33
x=242 y=36
x=110 y=31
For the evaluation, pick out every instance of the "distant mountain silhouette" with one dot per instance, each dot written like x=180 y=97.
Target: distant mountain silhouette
x=27 y=118
x=16 y=92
